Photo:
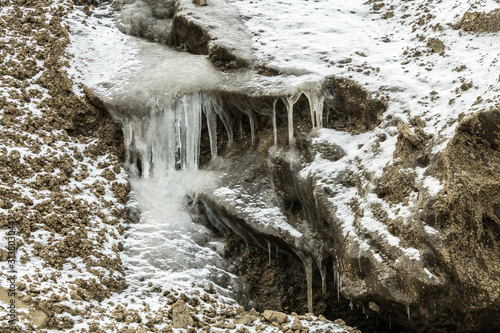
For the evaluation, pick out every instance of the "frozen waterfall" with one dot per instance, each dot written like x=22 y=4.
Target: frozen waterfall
x=161 y=98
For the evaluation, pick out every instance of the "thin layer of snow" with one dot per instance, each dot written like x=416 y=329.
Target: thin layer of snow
x=258 y=211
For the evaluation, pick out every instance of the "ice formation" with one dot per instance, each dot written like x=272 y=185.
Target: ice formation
x=161 y=110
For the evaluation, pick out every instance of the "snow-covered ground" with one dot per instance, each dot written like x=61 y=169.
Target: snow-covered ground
x=385 y=46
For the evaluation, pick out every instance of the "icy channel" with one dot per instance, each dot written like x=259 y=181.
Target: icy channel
x=166 y=246
x=156 y=95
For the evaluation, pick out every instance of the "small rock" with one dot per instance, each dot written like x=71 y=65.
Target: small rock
x=436 y=45
x=297 y=325
x=408 y=134
x=245 y=319
x=374 y=306
x=418 y=122
x=466 y=86
x=275 y=316
x=254 y=312
x=340 y=322
x=180 y=315
x=200 y=2
x=26 y=299
x=230 y=326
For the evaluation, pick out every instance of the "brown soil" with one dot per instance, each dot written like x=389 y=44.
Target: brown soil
x=480 y=22
x=352 y=107
x=66 y=119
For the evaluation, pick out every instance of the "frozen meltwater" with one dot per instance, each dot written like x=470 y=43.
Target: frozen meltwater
x=158 y=95
x=166 y=246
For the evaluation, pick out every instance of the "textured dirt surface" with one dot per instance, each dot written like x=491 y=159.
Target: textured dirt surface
x=59 y=157
x=481 y=22
x=352 y=108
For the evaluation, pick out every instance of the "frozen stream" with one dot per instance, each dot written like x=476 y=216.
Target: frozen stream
x=160 y=96
x=166 y=246
x=160 y=109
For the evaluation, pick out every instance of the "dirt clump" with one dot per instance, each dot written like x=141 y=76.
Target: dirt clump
x=480 y=22
x=351 y=107
x=436 y=45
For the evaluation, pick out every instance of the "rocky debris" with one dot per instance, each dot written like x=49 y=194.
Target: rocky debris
x=480 y=22
x=436 y=45
x=409 y=135
x=297 y=325
x=274 y=316
x=181 y=315
x=51 y=141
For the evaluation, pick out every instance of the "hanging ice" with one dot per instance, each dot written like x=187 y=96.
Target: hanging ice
x=169 y=137
x=290 y=102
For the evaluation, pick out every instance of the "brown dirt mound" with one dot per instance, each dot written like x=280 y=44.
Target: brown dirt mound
x=481 y=22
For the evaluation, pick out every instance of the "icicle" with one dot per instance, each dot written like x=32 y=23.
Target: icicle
x=290 y=102
x=359 y=259
x=339 y=284
x=190 y=130
x=311 y=109
x=127 y=140
x=252 y=126
x=351 y=305
x=164 y=140
x=276 y=249
x=211 y=116
x=316 y=100
x=188 y=123
x=143 y=141
x=336 y=277
x=322 y=271
x=408 y=312
x=289 y=108
x=319 y=111
x=308 y=265
x=241 y=130
x=224 y=116
x=269 y=251
x=275 y=128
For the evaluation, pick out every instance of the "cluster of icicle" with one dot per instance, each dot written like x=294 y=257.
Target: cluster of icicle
x=308 y=266
x=169 y=137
